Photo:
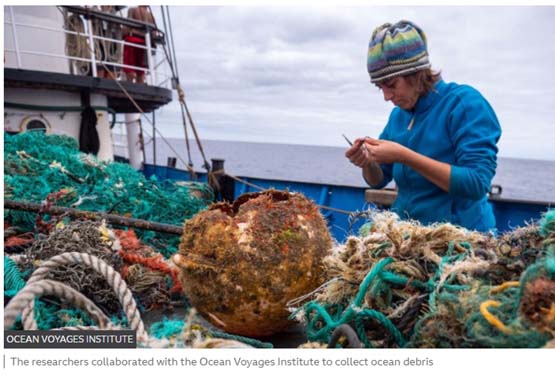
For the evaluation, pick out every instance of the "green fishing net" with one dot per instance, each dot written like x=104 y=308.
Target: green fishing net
x=401 y=284
x=37 y=165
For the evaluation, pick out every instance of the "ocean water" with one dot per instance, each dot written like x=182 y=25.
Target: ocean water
x=520 y=179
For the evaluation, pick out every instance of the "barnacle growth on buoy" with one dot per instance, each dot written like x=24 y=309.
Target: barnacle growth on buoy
x=538 y=304
x=241 y=263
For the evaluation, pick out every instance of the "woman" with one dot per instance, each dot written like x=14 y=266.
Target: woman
x=440 y=143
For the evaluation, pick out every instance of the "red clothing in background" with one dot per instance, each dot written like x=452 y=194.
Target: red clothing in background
x=133 y=55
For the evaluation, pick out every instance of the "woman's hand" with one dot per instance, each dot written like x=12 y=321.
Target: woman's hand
x=358 y=154
x=368 y=153
x=383 y=151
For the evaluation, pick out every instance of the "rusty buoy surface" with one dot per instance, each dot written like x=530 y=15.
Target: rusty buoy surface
x=241 y=263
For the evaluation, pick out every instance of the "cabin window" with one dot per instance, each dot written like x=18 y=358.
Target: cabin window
x=35 y=124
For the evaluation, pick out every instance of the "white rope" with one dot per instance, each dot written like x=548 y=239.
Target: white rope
x=113 y=278
x=77 y=45
x=37 y=287
x=112 y=50
x=52 y=288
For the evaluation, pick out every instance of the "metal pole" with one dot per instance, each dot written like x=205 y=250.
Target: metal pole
x=16 y=44
x=111 y=218
x=92 y=49
x=152 y=80
x=153 y=138
x=134 y=145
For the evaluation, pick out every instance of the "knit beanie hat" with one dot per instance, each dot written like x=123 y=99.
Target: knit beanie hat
x=396 y=50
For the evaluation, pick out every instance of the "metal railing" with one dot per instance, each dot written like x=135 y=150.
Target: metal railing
x=157 y=65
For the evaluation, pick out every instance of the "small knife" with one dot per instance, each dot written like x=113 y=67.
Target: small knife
x=346 y=139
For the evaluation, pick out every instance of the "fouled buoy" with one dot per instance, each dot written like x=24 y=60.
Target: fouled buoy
x=241 y=263
x=538 y=304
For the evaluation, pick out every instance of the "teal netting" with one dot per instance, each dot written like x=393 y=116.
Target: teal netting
x=405 y=285
x=37 y=165
x=172 y=328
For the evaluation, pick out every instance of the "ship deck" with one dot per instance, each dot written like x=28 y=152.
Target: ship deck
x=149 y=98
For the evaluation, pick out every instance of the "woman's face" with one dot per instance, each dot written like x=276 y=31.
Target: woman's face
x=399 y=91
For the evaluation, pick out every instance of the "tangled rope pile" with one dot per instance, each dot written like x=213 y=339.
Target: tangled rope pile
x=151 y=279
x=85 y=291
x=85 y=274
x=38 y=166
x=398 y=285
x=148 y=274
x=406 y=285
x=37 y=286
x=83 y=237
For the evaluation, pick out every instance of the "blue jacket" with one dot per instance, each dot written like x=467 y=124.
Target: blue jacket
x=456 y=125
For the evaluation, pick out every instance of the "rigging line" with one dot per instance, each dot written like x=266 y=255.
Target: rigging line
x=175 y=75
x=182 y=98
x=197 y=139
x=169 y=39
x=154 y=137
x=169 y=58
x=157 y=131
x=172 y=44
x=188 y=166
x=136 y=105
x=336 y=210
x=181 y=94
x=172 y=58
x=184 y=120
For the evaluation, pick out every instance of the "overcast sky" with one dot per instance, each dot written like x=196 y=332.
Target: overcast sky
x=298 y=74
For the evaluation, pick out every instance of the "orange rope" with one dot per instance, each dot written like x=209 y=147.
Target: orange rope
x=124 y=271
x=154 y=263
x=128 y=239
x=131 y=244
x=18 y=240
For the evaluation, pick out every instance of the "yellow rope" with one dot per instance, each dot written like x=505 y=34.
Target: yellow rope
x=504 y=286
x=491 y=318
x=549 y=313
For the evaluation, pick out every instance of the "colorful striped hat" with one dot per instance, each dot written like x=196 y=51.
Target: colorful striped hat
x=396 y=50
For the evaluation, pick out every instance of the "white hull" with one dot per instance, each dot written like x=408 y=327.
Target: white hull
x=36 y=40
x=58 y=122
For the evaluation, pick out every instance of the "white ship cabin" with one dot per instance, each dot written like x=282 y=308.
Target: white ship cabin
x=56 y=64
